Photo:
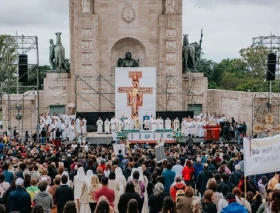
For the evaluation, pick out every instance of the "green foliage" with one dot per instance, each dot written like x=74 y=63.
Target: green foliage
x=32 y=75
x=8 y=58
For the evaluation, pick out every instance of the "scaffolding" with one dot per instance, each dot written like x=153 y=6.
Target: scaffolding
x=95 y=91
x=265 y=101
x=23 y=45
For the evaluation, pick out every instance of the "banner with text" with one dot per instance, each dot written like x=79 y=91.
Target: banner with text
x=135 y=92
x=261 y=155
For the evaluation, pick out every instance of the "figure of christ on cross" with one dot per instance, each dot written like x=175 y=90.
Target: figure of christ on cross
x=135 y=93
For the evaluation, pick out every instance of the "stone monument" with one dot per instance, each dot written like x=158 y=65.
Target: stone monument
x=57 y=54
x=128 y=61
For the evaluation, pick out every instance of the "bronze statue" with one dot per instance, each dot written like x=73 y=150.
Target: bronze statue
x=52 y=55
x=128 y=61
x=191 y=54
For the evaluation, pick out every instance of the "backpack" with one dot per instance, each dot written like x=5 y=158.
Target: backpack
x=137 y=187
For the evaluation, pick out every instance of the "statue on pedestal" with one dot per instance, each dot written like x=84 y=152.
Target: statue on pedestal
x=52 y=56
x=191 y=54
x=128 y=61
x=170 y=6
x=57 y=54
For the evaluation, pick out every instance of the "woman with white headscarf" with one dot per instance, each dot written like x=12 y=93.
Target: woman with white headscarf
x=145 y=208
x=89 y=176
x=69 y=183
x=120 y=179
x=79 y=180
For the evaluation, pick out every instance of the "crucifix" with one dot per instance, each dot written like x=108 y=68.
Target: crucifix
x=135 y=93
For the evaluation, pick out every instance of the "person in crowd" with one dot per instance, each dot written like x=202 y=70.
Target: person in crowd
x=132 y=206
x=203 y=178
x=103 y=206
x=9 y=176
x=156 y=198
x=257 y=201
x=33 y=189
x=233 y=206
x=225 y=182
x=128 y=195
x=196 y=206
x=63 y=194
x=105 y=191
x=265 y=206
x=52 y=191
x=178 y=185
x=241 y=200
x=184 y=200
x=169 y=177
x=84 y=199
x=38 y=209
x=3 y=187
x=217 y=196
x=70 y=207
x=208 y=205
x=198 y=167
x=168 y=205
x=19 y=200
x=94 y=185
x=114 y=185
x=236 y=175
x=79 y=180
x=178 y=168
x=273 y=181
x=188 y=173
x=44 y=198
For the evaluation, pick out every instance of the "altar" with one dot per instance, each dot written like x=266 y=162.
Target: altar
x=149 y=136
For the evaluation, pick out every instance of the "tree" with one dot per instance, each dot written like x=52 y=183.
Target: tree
x=8 y=58
x=32 y=75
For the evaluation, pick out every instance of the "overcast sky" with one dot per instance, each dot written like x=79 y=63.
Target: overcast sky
x=228 y=25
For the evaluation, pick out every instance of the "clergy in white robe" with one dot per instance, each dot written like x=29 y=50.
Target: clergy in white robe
x=120 y=126
x=52 y=130
x=176 y=124
x=113 y=124
x=126 y=124
x=107 y=126
x=161 y=123
x=183 y=127
x=99 y=124
x=136 y=123
x=146 y=124
x=79 y=180
x=200 y=129
x=63 y=130
x=189 y=128
x=71 y=132
x=154 y=124
x=167 y=123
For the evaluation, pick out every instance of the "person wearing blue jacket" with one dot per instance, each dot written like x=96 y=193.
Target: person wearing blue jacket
x=233 y=206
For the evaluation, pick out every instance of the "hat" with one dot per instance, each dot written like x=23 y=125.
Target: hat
x=230 y=196
x=19 y=182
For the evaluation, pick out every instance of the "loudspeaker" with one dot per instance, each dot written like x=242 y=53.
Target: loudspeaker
x=271 y=67
x=23 y=68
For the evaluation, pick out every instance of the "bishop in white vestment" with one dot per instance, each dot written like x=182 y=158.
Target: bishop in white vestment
x=167 y=123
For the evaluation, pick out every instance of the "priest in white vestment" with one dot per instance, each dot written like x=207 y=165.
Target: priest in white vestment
x=126 y=124
x=107 y=126
x=167 y=123
x=183 y=127
x=120 y=125
x=113 y=124
x=136 y=123
x=154 y=124
x=176 y=124
x=99 y=124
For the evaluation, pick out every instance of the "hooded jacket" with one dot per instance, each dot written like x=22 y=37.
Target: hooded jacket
x=174 y=188
x=234 y=208
x=44 y=199
x=235 y=177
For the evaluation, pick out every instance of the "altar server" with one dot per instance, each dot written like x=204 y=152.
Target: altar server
x=99 y=125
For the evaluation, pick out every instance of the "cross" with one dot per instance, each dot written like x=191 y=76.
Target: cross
x=135 y=93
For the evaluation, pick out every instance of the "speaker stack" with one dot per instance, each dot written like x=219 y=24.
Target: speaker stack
x=23 y=68
x=271 y=67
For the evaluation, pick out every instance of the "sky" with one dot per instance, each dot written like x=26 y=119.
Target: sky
x=228 y=25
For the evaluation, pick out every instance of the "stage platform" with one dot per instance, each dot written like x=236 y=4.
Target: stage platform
x=94 y=138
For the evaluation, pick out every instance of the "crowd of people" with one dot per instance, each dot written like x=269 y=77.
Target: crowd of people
x=76 y=177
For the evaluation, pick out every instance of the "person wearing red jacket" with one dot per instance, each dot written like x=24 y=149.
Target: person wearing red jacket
x=187 y=173
x=179 y=184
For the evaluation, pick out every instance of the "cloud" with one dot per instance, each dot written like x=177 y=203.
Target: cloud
x=229 y=25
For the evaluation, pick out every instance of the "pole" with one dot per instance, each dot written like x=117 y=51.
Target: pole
x=38 y=94
x=245 y=188
x=269 y=97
